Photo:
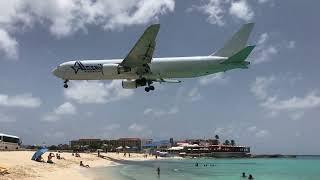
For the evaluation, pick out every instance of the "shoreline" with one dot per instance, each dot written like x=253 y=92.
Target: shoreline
x=20 y=165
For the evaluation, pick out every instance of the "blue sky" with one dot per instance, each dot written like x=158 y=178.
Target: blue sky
x=273 y=106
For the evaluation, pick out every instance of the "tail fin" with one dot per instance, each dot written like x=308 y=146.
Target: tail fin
x=237 y=42
x=241 y=55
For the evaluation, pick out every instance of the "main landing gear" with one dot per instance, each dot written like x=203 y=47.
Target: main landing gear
x=149 y=87
x=145 y=82
x=66 y=83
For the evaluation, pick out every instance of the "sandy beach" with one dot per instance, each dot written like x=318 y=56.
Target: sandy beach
x=21 y=166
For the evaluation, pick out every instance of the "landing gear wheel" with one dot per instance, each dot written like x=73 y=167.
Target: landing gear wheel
x=147 y=89
x=65 y=86
x=151 y=88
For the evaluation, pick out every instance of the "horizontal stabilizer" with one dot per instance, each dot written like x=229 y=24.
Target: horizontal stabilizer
x=236 y=43
x=241 y=55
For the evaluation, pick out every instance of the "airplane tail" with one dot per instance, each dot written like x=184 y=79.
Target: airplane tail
x=241 y=55
x=236 y=43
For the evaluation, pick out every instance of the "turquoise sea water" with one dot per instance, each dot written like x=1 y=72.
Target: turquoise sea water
x=301 y=168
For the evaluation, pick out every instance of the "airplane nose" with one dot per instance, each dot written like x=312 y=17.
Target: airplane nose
x=56 y=72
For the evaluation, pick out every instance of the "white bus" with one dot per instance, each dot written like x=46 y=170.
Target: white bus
x=9 y=142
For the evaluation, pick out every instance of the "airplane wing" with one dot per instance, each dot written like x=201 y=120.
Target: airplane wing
x=142 y=52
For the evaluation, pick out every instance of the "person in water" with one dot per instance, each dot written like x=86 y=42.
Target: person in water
x=197 y=164
x=250 y=177
x=243 y=175
x=158 y=171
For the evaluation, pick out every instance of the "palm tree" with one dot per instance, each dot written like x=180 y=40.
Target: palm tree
x=217 y=137
x=227 y=142
x=216 y=140
x=232 y=142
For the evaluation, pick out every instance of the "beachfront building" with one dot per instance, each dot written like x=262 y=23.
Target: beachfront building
x=195 y=150
x=130 y=144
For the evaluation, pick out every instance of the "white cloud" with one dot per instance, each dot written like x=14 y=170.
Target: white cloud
x=65 y=17
x=294 y=106
x=61 y=111
x=252 y=129
x=85 y=92
x=6 y=119
x=262 y=133
x=65 y=108
x=311 y=100
x=291 y=44
x=263 y=1
x=8 y=45
x=194 y=95
x=297 y=115
x=136 y=127
x=217 y=10
x=50 y=117
x=112 y=127
x=156 y=113
x=241 y=10
x=266 y=51
x=217 y=78
x=260 y=86
x=21 y=100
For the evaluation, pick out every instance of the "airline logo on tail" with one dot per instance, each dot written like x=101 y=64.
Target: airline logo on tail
x=87 y=68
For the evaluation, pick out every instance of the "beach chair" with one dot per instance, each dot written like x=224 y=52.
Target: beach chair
x=3 y=171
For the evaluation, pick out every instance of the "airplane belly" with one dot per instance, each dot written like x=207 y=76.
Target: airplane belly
x=87 y=75
x=185 y=69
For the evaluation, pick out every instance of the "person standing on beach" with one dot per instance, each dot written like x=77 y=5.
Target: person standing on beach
x=243 y=175
x=158 y=171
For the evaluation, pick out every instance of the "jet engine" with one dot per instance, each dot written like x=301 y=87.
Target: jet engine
x=130 y=84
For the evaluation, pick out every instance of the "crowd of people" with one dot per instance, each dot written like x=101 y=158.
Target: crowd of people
x=59 y=157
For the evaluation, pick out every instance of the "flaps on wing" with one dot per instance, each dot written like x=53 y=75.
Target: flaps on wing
x=142 y=52
x=169 y=80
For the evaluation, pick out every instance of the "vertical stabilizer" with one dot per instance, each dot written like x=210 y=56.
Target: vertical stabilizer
x=236 y=43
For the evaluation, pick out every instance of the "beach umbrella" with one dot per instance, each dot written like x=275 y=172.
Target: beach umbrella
x=39 y=153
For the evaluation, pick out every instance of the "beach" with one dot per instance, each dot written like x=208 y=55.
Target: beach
x=20 y=165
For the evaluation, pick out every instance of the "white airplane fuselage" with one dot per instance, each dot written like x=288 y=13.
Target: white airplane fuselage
x=170 y=67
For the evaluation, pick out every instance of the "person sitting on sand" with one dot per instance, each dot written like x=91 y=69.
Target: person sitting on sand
x=77 y=155
x=50 y=156
x=3 y=171
x=40 y=159
x=58 y=155
x=243 y=175
x=82 y=165
x=250 y=177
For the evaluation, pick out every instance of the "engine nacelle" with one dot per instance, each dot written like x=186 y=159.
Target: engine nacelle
x=130 y=84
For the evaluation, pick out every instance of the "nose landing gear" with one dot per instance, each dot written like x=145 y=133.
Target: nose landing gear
x=66 y=83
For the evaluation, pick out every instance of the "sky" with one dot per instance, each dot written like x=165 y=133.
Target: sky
x=273 y=106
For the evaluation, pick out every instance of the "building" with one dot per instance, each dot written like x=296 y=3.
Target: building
x=131 y=144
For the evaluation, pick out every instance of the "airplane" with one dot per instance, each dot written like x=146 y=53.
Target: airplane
x=140 y=69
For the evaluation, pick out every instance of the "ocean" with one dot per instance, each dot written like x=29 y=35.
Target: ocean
x=300 y=168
